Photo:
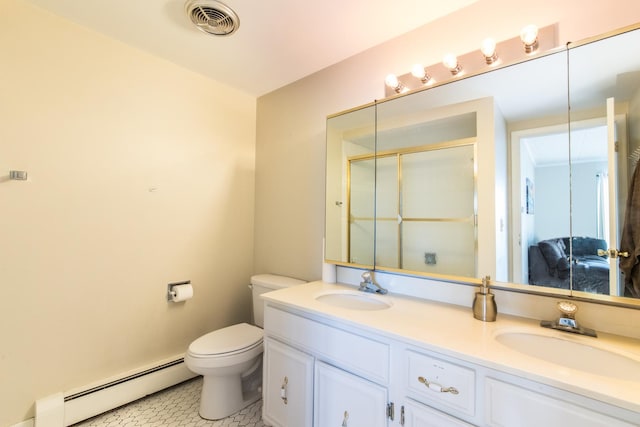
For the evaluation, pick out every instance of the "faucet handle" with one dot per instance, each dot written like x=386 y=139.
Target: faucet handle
x=568 y=308
x=366 y=277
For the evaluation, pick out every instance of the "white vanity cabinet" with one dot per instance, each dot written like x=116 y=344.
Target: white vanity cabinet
x=511 y=401
x=418 y=415
x=348 y=380
x=287 y=386
x=324 y=371
x=346 y=400
x=429 y=381
x=466 y=395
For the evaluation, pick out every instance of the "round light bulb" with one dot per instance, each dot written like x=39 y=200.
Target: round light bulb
x=392 y=81
x=418 y=71
x=450 y=61
x=488 y=47
x=529 y=34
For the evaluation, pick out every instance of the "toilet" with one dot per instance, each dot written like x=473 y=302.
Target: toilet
x=230 y=359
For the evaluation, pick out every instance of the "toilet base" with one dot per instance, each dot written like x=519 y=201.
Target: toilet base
x=223 y=396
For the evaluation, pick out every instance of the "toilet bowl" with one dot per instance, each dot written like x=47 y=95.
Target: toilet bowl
x=230 y=359
x=222 y=357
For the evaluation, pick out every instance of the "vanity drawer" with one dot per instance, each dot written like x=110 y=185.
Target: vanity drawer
x=355 y=353
x=436 y=382
x=509 y=404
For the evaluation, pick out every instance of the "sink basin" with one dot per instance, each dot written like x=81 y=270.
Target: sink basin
x=573 y=353
x=354 y=300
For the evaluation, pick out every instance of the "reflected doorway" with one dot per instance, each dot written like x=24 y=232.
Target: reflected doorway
x=563 y=231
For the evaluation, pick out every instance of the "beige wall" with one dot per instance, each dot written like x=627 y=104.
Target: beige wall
x=290 y=126
x=140 y=173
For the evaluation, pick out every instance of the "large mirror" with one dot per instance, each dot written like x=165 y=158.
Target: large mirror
x=495 y=174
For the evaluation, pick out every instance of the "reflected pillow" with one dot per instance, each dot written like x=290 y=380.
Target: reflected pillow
x=553 y=251
x=563 y=267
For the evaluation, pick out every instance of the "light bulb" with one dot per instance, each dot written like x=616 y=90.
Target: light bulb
x=488 y=49
x=529 y=36
x=451 y=62
x=392 y=81
x=419 y=72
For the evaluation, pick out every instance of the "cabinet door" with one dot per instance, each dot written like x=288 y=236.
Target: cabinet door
x=417 y=415
x=345 y=400
x=287 y=386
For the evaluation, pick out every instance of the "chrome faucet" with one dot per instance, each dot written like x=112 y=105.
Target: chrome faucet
x=369 y=285
x=567 y=320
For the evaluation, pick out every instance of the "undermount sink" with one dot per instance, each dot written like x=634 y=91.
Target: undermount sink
x=354 y=300
x=573 y=354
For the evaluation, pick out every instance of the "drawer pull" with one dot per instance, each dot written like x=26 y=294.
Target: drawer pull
x=283 y=390
x=345 y=419
x=437 y=387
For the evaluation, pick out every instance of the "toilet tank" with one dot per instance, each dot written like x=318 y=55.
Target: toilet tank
x=261 y=283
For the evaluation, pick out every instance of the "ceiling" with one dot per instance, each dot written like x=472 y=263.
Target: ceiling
x=277 y=42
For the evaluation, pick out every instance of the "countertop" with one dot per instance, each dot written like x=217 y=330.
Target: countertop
x=452 y=330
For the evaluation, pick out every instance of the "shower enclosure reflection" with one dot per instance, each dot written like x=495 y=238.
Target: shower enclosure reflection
x=415 y=231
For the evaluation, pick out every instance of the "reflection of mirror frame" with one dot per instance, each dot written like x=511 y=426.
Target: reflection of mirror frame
x=354 y=124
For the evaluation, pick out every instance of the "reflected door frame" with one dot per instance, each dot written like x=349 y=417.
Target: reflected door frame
x=519 y=255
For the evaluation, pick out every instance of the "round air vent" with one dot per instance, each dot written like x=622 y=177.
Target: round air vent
x=212 y=17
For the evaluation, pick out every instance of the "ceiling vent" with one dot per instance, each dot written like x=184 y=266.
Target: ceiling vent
x=212 y=17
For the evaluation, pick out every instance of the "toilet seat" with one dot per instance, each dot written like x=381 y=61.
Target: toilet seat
x=227 y=341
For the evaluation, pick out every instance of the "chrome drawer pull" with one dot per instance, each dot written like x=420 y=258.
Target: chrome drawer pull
x=437 y=387
x=346 y=418
x=283 y=390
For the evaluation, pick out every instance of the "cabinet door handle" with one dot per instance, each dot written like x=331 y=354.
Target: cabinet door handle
x=345 y=419
x=283 y=390
x=437 y=387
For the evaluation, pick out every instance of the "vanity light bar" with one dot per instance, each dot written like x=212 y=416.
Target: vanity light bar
x=531 y=41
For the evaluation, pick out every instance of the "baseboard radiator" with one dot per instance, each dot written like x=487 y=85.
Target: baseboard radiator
x=97 y=399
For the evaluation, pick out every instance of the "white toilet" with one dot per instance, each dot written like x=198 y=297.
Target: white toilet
x=230 y=359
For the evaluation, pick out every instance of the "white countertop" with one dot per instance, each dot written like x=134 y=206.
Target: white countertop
x=452 y=330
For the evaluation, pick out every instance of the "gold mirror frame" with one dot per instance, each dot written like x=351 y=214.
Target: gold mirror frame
x=566 y=53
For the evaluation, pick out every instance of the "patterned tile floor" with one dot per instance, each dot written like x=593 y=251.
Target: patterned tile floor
x=175 y=407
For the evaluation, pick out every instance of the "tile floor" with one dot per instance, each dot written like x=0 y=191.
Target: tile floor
x=175 y=407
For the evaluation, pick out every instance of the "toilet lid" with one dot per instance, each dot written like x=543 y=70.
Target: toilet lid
x=227 y=340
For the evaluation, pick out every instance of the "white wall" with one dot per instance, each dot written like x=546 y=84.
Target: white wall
x=551 y=201
x=585 y=200
x=136 y=179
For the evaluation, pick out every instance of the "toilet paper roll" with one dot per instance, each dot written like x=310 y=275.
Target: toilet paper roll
x=181 y=292
x=329 y=273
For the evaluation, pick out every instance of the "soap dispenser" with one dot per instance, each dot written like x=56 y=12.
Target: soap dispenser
x=484 y=303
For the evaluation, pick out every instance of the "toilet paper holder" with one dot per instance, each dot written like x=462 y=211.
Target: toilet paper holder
x=171 y=293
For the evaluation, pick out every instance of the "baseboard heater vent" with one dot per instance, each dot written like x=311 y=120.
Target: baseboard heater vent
x=95 y=400
x=122 y=380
